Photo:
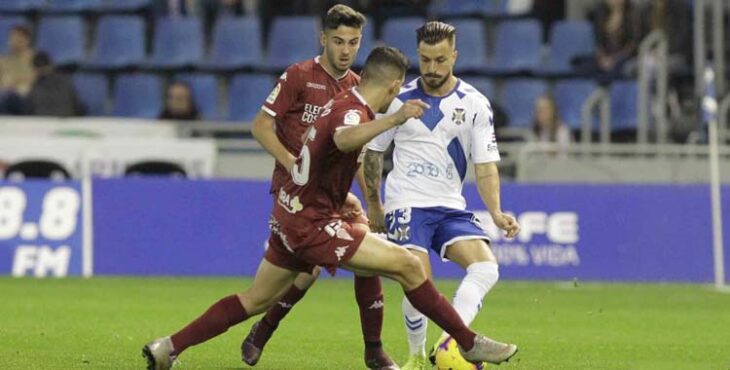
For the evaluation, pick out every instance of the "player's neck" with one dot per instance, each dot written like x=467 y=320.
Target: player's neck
x=443 y=90
x=372 y=96
x=327 y=66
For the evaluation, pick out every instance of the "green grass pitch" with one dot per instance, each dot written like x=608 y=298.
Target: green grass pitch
x=102 y=323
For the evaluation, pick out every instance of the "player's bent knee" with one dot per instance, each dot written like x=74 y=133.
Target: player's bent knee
x=411 y=270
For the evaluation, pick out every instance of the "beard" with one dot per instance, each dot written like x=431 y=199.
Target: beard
x=435 y=84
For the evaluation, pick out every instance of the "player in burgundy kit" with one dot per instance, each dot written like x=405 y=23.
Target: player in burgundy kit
x=290 y=109
x=312 y=232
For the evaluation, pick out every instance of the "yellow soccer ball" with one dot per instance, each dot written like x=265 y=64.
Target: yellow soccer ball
x=449 y=358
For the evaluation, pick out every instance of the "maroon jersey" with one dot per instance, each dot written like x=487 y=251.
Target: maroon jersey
x=322 y=176
x=297 y=100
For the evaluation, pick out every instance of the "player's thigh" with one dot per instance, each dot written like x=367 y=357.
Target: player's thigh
x=305 y=280
x=467 y=252
x=375 y=255
x=268 y=285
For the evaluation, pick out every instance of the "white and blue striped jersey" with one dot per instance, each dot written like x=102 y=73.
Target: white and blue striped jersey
x=431 y=153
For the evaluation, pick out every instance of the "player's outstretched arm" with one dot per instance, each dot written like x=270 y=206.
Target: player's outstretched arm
x=488 y=184
x=373 y=166
x=348 y=139
x=262 y=130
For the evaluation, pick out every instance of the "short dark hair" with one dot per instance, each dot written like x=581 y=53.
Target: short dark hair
x=24 y=30
x=385 y=60
x=434 y=32
x=343 y=15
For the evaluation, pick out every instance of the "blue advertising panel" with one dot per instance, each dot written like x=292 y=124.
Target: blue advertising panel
x=587 y=232
x=41 y=229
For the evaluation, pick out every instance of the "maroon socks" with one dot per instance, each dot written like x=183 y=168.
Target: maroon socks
x=215 y=321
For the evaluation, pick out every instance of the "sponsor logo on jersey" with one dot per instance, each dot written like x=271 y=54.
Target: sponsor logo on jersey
x=352 y=118
x=274 y=94
x=459 y=116
x=313 y=85
x=289 y=203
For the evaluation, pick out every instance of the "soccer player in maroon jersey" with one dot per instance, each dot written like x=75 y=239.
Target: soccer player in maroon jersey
x=310 y=230
x=290 y=109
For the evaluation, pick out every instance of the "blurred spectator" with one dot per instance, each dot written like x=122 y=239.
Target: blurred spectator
x=179 y=103
x=673 y=17
x=16 y=70
x=52 y=94
x=617 y=33
x=548 y=127
x=548 y=12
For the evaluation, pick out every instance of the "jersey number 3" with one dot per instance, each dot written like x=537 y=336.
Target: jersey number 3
x=300 y=171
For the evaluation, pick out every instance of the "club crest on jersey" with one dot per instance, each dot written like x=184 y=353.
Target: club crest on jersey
x=352 y=118
x=459 y=116
x=274 y=94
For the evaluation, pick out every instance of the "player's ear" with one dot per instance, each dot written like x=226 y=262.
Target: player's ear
x=322 y=38
x=455 y=54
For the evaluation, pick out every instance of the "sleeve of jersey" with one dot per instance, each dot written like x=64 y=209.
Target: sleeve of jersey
x=484 y=141
x=381 y=142
x=284 y=93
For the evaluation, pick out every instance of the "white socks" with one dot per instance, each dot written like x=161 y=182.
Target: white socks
x=416 y=325
x=480 y=278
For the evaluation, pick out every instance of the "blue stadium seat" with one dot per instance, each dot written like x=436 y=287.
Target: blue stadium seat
x=471 y=43
x=401 y=33
x=120 y=43
x=484 y=85
x=6 y=24
x=205 y=93
x=517 y=47
x=177 y=43
x=568 y=40
x=72 y=6
x=367 y=43
x=292 y=39
x=125 y=5
x=93 y=90
x=21 y=6
x=236 y=44
x=624 y=106
x=137 y=95
x=518 y=100
x=63 y=38
x=461 y=8
x=247 y=95
x=569 y=97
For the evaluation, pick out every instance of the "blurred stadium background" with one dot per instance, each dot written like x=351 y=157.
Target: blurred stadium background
x=112 y=168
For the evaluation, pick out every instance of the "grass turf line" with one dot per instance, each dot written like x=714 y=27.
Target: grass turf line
x=102 y=323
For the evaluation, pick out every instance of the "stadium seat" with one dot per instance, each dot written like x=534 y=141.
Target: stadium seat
x=155 y=168
x=63 y=38
x=517 y=47
x=36 y=169
x=462 y=8
x=471 y=43
x=484 y=85
x=568 y=40
x=236 y=44
x=292 y=39
x=125 y=5
x=93 y=90
x=177 y=43
x=138 y=95
x=205 y=93
x=7 y=22
x=569 y=97
x=624 y=106
x=367 y=43
x=120 y=43
x=21 y=6
x=401 y=33
x=72 y=6
x=518 y=100
x=247 y=94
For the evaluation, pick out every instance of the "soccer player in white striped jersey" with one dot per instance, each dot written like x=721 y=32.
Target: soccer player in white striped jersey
x=424 y=208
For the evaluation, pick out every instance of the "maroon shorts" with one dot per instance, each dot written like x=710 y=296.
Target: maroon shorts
x=303 y=244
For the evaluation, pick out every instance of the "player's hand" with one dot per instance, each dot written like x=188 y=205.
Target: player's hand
x=289 y=162
x=376 y=216
x=412 y=108
x=506 y=223
x=352 y=207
